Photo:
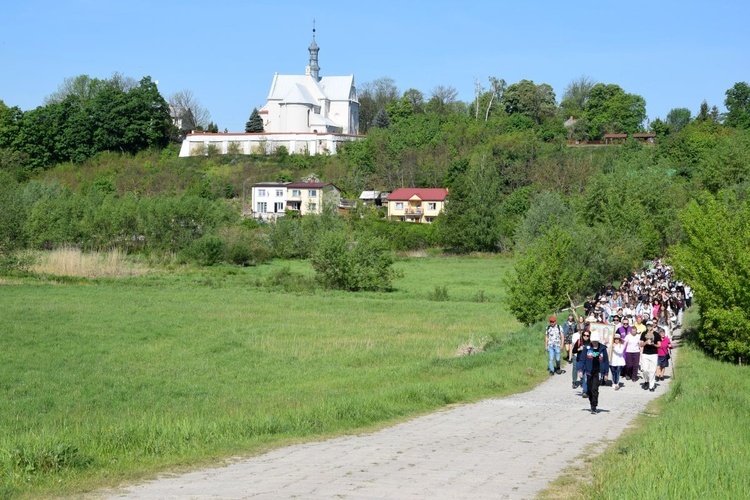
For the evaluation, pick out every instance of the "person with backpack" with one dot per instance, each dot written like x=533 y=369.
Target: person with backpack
x=569 y=328
x=553 y=342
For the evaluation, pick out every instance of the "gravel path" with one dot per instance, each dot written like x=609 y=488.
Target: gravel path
x=498 y=448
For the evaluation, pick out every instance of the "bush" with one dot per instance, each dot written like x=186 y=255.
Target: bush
x=363 y=265
x=245 y=247
x=207 y=250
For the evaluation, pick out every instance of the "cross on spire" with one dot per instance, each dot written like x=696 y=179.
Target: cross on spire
x=314 y=68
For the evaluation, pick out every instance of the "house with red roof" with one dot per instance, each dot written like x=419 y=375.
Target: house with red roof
x=416 y=204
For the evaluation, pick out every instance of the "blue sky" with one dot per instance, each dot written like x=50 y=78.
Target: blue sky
x=673 y=53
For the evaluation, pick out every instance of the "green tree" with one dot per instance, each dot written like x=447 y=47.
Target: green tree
x=83 y=87
x=714 y=258
x=12 y=217
x=526 y=98
x=10 y=124
x=544 y=274
x=400 y=110
x=416 y=98
x=471 y=220
x=255 y=123
x=610 y=109
x=442 y=100
x=576 y=96
x=678 y=118
x=738 y=106
x=373 y=97
x=381 y=120
x=547 y=209
x=366 y=264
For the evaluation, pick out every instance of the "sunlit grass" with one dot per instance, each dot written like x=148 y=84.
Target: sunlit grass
x=115 y=378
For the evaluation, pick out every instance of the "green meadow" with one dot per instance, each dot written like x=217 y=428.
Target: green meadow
x=110 y=380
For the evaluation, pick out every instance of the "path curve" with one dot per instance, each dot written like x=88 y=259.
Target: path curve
x=510 y=447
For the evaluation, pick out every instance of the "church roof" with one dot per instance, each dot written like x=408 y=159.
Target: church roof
x=337 y=88
x=316 y=119
x=334 y=88
x=298 y=94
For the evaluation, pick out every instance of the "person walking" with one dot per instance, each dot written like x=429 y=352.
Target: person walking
x=569 y=328
x=616 y=359
x=553 y=341
x=595 y=367
x=632 y=353
x=663 y=354
x=579 y=340
x=650 y=342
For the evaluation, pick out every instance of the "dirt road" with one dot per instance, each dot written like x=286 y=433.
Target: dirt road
x=498 y=448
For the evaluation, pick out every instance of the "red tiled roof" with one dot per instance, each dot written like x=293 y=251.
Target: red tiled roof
x=424 y=194
x=615 y=136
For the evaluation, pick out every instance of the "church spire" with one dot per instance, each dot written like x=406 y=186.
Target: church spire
x=314 y=68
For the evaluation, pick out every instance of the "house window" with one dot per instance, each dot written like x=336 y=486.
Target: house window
x=262 y=193
x=295 y=193
x=313 y=193
x=429 y=220
x=431 y=206
x=279 y=193
x=278 y=207
x=313 y=207
x=262 y=207
x=399 y=205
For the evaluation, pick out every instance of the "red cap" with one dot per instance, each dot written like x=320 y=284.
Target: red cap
x=552 y=319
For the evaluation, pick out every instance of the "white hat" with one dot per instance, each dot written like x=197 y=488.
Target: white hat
x=596 y=337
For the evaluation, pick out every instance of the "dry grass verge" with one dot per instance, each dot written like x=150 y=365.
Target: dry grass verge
x=74 y=262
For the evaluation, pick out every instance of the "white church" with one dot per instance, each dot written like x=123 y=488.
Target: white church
x=307 y=114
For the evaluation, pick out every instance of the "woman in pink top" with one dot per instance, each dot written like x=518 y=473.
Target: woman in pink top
x=663 y=354
x=632 y=354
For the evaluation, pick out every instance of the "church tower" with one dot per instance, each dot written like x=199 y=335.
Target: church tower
x=314 y=68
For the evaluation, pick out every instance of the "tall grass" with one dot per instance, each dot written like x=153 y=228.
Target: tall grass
x=73 y=262
x=130 y=376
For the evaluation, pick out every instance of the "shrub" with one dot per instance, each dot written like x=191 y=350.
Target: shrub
x=363 y=265
x=245 y=247
x=207 y=250
x=440 y=294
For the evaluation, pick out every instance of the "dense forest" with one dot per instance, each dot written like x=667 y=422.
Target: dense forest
x=96 y=168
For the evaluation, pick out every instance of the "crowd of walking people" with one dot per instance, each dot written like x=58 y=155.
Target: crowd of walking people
x=624 y=335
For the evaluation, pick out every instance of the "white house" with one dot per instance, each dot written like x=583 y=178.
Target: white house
x=268 y=200
x=307 y=114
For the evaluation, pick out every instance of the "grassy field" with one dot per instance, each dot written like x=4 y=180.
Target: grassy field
x=692 y=443
x=105 y=380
